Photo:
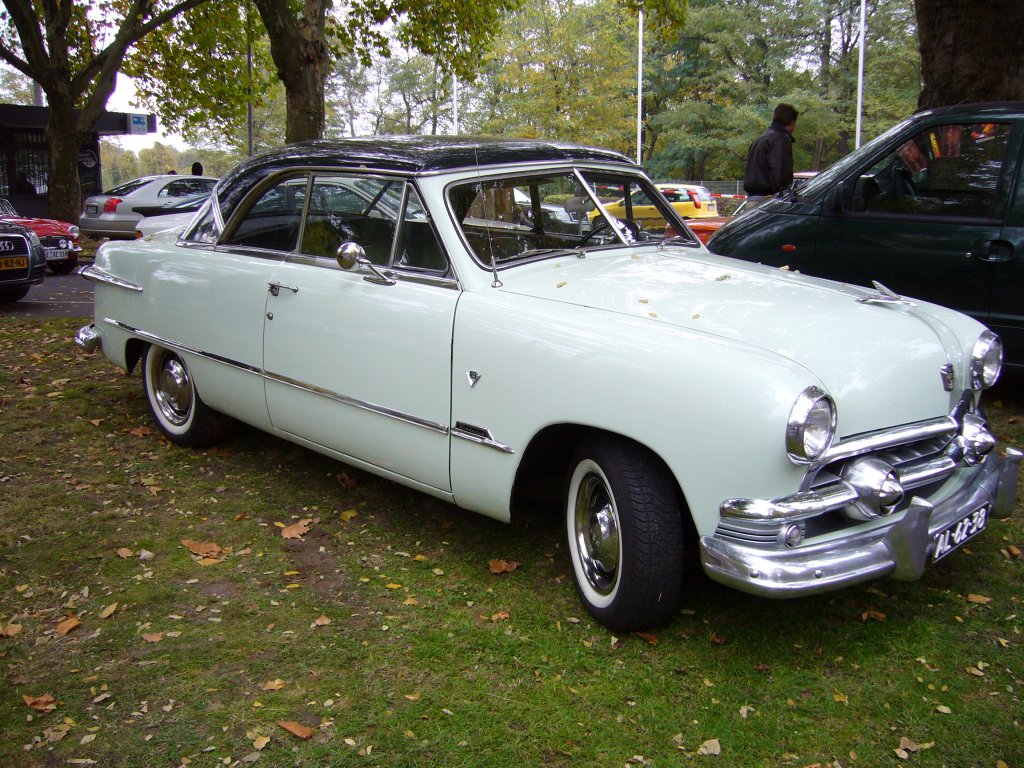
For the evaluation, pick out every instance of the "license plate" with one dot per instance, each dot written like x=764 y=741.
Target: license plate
x=952 y=537
x=56 y=255
x=14 y=262
x=91 y=208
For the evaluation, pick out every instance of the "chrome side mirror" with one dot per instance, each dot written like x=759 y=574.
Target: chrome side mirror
x=351 y=255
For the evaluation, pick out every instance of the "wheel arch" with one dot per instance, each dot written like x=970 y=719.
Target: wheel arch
x=545 y=465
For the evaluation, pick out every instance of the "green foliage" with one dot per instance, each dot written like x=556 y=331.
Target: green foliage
x=15 y=88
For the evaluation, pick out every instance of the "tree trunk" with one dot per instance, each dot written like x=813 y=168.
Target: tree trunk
x=299 y=48
x=64 y=196
x=970 y=51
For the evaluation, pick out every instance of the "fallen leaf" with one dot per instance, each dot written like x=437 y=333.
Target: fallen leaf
x=260 y=742
x=410 y=601
x=841 y=698
x=943 y=709
x=274 y=685
x=650 y=638
x=297 y=530
x=67 y=625
x=746 y=711
x=95 y=422
x=124 y=553
x=323 y=620
x=502 y=566
x=142 y=431
x=153 y=637
x=252 y=757
x=10 y=630
x=872 y=615
x=413 y=696
x=44 y=703
x=202 y=548
x=88 y=739
x=108 y=611
x=348 y=514
x=981 y=599
x=717 y=639
x=393 y=585
x=296 y=729
x=347 y=481
x=710 y=747
x=500 y=616
x=908 y=744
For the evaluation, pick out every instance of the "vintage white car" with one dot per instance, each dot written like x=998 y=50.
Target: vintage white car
x=412 y=307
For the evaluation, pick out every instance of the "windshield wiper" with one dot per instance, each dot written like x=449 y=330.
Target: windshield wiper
x=545 y=252
x=677 y=240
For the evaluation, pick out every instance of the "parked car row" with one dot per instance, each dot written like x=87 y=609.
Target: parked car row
x=423 y=308
x=28 y=246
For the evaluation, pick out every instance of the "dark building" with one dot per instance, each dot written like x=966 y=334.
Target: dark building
x=24 y=155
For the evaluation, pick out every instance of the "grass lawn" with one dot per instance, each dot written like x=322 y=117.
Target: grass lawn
x=381 y=637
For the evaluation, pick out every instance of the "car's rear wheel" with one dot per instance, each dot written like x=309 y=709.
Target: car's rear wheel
x=11 y=294
x=174 y=402
x=625 y=532
x=63 y=267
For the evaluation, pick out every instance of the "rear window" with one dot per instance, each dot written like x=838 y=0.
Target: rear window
x=127 y=187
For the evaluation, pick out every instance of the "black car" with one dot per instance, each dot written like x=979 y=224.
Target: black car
x=933 y=209
x=22 y=261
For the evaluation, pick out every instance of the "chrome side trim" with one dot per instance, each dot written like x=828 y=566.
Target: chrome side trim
x=944 y=426
x=478 y=435
x=433 y=426
x=96 y=275
x=182 y=347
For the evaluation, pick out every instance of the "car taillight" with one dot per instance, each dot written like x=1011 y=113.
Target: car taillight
x=694 y=197
x=111 y=205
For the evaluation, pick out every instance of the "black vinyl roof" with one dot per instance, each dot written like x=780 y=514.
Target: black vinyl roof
x=403 y=154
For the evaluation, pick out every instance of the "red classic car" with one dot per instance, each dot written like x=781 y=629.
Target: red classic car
x=59 y=239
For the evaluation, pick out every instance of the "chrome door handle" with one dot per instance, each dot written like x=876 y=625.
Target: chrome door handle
x=275 y=288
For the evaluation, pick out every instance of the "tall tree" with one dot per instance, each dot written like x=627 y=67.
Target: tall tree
x=73 y=50
x=970 y=51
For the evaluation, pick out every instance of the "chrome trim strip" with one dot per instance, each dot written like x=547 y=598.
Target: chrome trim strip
x=433 y=426
x=182 y=347
x=875 y=441
x=96 y=275
x=485 y=441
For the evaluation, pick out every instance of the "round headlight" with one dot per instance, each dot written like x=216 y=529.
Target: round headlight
x=811 y=427
x=74 y=231
x=986 y=360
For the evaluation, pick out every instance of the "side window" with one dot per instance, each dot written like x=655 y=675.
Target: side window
x=358 y=210
x=273 y=221
x=946 y=170
x=418 y=247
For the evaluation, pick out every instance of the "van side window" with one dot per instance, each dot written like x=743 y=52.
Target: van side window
x=946 y=170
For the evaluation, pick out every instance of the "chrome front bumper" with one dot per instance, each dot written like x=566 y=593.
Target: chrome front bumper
x=901 y=549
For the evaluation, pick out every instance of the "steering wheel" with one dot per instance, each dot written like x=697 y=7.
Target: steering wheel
x=600 y=227
x=635 y=231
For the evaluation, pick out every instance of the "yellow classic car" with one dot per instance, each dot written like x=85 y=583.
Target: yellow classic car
x=689 y=200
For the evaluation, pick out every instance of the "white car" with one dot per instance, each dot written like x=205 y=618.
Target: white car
x=174 y=216
x=796 y=435
x=113 y=214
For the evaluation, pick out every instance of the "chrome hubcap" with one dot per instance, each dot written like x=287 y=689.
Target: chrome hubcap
x=173 y=391
x=597 y=534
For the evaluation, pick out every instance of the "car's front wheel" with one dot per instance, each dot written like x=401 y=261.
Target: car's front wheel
x=625 y=532
x=11 y=294
x=174 y=402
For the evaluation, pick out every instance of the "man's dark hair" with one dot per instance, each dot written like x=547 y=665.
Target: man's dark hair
x=785 y=114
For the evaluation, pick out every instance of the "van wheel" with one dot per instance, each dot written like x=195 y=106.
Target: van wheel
x=625 y=532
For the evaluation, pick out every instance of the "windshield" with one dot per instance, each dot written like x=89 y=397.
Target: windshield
x=824 y=181
x=519 y=218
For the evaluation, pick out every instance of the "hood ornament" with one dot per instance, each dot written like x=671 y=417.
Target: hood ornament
x=885 y=296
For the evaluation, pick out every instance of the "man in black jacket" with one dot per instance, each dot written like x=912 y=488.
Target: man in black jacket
x=770 y=157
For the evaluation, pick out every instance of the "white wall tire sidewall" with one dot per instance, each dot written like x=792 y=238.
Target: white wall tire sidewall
x=592 y=596
x=154 y=359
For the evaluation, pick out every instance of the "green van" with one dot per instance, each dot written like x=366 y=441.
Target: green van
x=932 y=209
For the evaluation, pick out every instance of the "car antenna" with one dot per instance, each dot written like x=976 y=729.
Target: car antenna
x=490 y=246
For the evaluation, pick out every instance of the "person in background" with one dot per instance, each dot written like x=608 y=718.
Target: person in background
x=770 y=157
x=197 y=168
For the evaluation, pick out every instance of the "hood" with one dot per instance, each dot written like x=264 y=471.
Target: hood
x=879 y=361
x=42 y=227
